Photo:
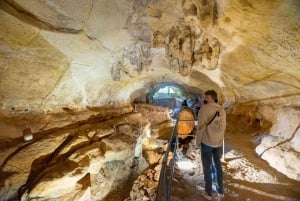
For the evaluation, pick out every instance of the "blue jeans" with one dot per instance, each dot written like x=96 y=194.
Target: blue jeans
x=207 y=154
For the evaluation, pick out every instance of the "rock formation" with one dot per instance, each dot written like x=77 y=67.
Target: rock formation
x=189 y=44
x=83 y=162
x=63 y=62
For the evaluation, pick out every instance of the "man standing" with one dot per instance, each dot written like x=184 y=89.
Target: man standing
x=210 y=134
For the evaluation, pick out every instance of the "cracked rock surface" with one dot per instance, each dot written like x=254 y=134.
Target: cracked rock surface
x=85 y=162
x=64 y=61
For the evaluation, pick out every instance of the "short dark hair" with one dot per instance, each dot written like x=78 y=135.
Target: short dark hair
x=212 y=94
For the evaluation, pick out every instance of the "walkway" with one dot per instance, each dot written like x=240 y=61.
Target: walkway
x=247 y=177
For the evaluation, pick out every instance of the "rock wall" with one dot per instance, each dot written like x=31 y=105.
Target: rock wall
x=281 y=147
x=57 y=54
x=154 y=114
x=279 y=143
x=81 y=163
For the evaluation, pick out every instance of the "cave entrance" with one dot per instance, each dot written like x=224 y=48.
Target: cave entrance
x=173 y=95
x=168 y=95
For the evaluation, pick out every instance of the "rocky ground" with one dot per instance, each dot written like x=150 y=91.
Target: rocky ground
x=86 y=156
x=246 y=176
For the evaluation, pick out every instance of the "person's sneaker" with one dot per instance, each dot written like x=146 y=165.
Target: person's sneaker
x=219 y=192
x=220 y=195
x=208 y=197
x=214 y=187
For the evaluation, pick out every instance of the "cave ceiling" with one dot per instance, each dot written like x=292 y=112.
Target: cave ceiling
x=82 y=53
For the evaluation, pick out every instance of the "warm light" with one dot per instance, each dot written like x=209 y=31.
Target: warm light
x=148 y=132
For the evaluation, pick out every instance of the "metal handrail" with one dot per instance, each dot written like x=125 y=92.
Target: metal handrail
x=165 y=180
x=166 y=172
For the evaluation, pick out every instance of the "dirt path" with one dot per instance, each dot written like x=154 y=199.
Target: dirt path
x=246 y=176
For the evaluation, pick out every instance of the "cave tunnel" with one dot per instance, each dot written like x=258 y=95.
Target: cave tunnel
x=89 y=90
x=173 y=95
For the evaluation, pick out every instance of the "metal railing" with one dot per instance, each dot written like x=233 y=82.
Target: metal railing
x=167 y=170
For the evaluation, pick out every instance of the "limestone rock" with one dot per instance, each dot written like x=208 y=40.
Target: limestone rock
x=144 y=187
x=65 y=117
x=22 y=46
x=279 y=148
x=152 y=157
x=118 y=50
x=188 y=44
x=109 y=27
x=19 y=166
x=154 y=114
x=72 y=164
x=65 y=15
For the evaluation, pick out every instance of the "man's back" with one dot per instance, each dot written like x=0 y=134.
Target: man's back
x=213 y=133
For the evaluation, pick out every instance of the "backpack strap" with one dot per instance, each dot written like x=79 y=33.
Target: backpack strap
x=217 y=113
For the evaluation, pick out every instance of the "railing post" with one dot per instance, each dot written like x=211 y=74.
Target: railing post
x=164 y=187
x=166 y=177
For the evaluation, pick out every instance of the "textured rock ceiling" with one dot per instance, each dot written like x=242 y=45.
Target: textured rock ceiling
x=78 y=54
x=68 y=53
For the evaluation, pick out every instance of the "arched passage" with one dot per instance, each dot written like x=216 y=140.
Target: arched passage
x=171 y=95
